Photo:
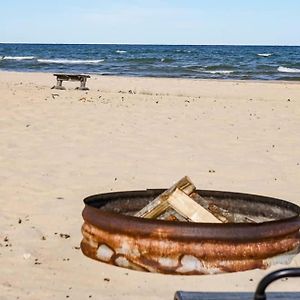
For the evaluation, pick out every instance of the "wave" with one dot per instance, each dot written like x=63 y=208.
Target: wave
x=264 y=54
x=17 y=58
x=224 y=67
x=167 y=60
x=183 y=51
x=218 y=71
x=121 y=51
x=206 y=69
x=288 y=70
x=70 y=61
x=145 y=60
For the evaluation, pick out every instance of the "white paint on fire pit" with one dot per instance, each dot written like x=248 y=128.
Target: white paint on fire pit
x=283 y=259
x=128 y=249
x=104 y=253
x=189 y=264
x=121 y=261
x=168 y=262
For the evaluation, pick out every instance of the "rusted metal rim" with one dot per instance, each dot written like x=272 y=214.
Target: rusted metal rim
x=111 y=234
x=126 y=224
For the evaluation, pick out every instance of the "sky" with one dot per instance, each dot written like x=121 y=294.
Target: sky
x=199 y=22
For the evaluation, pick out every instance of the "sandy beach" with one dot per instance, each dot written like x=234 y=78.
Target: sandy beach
x=126 y=133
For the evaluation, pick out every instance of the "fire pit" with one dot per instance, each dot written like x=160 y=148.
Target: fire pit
x=111 y=234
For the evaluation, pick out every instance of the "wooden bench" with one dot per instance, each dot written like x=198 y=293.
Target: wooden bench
x=71 y=77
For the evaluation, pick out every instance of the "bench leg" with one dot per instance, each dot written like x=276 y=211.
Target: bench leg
x=59 y=85
x=82 y=85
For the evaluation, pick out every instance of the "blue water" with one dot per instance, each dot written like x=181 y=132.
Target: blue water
x=220 y=62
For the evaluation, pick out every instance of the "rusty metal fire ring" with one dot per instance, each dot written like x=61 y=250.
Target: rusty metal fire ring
x=111 y=234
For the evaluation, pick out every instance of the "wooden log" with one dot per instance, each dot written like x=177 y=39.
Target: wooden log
x=171 y=215
x=190 y=209
x=225 y=215
x=178 y=203
x=160 y=203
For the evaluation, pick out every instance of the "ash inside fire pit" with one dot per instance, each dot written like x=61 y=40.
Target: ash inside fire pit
x=261 y=231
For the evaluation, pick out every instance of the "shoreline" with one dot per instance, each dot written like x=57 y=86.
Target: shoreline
x=162 y=78
x=162 y=87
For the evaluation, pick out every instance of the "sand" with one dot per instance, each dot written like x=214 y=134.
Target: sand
x=57 y=147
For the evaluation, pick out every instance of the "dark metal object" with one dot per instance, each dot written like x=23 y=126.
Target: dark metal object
x=259 y=294
x=113 y=235
x=261 y=288
x=234 y=296
x=71 y=77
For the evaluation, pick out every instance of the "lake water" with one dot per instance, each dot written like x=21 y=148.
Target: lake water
x=220 y=62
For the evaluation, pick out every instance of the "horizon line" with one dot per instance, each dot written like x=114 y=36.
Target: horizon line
x=152 y=44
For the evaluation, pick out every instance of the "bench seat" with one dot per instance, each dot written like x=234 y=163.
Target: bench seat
x=82 y=78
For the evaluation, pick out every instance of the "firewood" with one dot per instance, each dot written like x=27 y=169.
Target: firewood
x=177 y=203
x=172 y=215
x=160 y=203
x=225 y=215
x=190 y=209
